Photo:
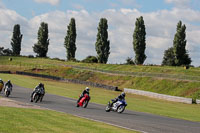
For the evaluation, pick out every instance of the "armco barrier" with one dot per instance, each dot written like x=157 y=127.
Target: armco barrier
x=114 y=88
x=197 y=101
x=5 y=72
x=159 y=96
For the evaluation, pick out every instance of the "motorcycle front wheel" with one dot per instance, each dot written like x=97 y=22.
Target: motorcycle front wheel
x=35 y=98
x=7 y=93
x=120 y=109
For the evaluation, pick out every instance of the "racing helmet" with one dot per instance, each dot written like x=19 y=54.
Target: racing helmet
x=123 y=94
x=40 y=84
x=87 y=89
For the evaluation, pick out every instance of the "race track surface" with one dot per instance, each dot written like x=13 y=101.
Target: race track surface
x=142 y=122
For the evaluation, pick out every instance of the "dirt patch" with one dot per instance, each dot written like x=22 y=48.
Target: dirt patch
x=190 y=92
x=11 y=103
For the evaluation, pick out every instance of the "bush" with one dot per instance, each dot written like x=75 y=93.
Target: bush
x=30 y=56
x=57 y=59
x=5 y=52
x=90 y=59
x=129 y=61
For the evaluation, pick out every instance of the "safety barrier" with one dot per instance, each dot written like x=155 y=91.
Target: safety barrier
x=76 y=81
x=5 y=72
x=160 y=96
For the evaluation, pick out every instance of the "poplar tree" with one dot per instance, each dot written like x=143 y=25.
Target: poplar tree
x=139 y=41
x=16 y=40
x=179 y=44
x=102 y=44
x=41 y=47
x=70 y=40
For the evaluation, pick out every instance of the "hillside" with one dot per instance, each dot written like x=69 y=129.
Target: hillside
x=161 y=79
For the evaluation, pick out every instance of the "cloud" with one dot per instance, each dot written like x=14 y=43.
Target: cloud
x=179 y=3
x=52 y=2
x=160 y=29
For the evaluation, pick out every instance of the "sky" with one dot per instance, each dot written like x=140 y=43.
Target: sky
x=160 y=18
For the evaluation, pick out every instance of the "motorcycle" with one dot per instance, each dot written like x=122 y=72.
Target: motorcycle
x=119 y=106
x=7 y=91
x=1 y=86
x=38 y=96
x=84 y=101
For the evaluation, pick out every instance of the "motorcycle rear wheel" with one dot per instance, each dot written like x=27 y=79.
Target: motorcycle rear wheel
x=108 y=108
x=85 y=103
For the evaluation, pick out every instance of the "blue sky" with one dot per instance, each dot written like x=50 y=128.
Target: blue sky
x=160 y=16
x=30 y=8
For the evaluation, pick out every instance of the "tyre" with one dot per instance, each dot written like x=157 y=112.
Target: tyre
x=120 y=109
x=85 y=103
x=41 y=98
x=108 y=108
x=35 y=98
x=77 y=105
x=7 y=93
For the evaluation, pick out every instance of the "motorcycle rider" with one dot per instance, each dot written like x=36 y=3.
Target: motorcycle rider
x=120 y=97
x=9 y=85
x=1 y=84
x=39 y=87
x=86 y=91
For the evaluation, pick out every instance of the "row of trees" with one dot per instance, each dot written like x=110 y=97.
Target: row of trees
x=174 y=56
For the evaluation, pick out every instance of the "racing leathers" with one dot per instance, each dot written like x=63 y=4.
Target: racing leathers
x=82 y=95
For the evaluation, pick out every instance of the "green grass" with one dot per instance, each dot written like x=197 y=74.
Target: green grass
x=102 y=96
x=154 y=84
x=18 y=120
x=50 y=63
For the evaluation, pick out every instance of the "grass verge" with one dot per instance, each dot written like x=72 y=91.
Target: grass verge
x=18 y=120
x=102 y=96
x=166 y=80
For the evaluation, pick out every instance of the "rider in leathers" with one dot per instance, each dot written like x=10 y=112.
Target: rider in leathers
x=9 y=85
x=2 y=84
x=120 y=97
x=39 y=87
x=86 y=91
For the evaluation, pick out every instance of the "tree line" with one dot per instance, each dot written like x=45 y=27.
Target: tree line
x=176 y=55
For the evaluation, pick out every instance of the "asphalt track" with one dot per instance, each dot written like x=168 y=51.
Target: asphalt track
x=142 y=122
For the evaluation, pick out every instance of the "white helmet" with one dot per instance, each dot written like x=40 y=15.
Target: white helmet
x=87 y=89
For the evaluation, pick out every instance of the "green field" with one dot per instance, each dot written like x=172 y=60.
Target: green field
x=18 y=120
x=45 y=63
x=135 y=103
x=175 y=81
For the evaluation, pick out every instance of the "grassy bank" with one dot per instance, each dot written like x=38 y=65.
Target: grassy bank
x=18 y=120
x=102 y=96
x=170 y=85
x=53 y=63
